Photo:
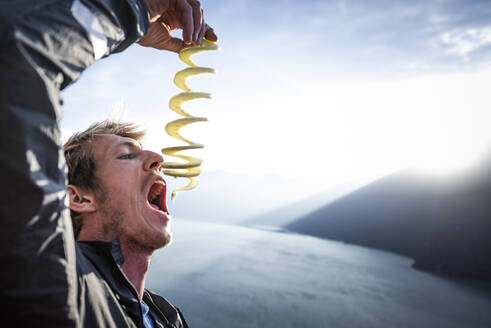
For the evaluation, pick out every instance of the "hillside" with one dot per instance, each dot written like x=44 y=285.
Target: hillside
x=443 y=224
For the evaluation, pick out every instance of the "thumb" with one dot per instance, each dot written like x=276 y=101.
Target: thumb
x=158 y=36
x=172 y=44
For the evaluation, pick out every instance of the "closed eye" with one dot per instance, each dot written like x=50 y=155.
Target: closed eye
x=127 y=156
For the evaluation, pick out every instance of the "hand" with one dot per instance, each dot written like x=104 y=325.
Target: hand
x=169 y=15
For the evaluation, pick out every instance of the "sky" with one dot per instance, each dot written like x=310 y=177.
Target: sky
x=324 y=92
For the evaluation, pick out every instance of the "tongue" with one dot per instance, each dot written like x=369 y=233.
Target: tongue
x=155 y=207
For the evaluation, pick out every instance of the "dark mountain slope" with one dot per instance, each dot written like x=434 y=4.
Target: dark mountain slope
x=444 y=224
x=385 y=214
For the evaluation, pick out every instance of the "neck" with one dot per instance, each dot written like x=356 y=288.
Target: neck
x=136 y=264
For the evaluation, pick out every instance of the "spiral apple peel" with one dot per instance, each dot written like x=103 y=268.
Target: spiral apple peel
x=191 y=167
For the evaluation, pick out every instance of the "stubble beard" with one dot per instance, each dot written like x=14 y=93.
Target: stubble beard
x=144 y=237
x=151 y=239
x=147 y=242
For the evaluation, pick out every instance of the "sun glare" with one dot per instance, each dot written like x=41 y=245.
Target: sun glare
x=447 y=163
x=335 y=133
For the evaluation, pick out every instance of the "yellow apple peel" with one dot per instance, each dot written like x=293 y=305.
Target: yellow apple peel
x=191 y=167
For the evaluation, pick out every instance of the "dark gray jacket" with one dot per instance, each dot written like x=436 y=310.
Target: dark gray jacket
x=103 y=287
x=46 y=279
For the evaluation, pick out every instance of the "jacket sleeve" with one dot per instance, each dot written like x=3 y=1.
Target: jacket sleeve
x=44 y=46
x=184 y=323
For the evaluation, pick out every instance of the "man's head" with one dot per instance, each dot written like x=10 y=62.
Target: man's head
x=115 y=188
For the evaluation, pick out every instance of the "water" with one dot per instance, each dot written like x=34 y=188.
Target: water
x=230 y=276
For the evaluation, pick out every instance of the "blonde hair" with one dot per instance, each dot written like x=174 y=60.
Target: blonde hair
x=80 y=158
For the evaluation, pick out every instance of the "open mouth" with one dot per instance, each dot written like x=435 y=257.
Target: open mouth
x=157 y=196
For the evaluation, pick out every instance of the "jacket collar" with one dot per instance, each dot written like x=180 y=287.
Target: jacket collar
x=108 y=259
x=108 y=251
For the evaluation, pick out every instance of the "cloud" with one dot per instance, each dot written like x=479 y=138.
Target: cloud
x=378 y=37
x=315 y=64
x=465 y=42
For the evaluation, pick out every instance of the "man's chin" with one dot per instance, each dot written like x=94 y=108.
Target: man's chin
x=167 y=241
x=152 y=239
x=163 y=240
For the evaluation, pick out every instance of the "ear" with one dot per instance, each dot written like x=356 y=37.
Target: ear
x=81 y=201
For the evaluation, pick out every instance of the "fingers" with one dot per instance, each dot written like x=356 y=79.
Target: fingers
x=197 y=18
x=202 y=31
x=178 y=14
x=194 y=27
x=187 y=20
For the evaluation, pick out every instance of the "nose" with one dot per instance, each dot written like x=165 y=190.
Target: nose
x=153 y=162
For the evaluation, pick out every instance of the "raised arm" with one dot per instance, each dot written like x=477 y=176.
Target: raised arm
x=44 y=46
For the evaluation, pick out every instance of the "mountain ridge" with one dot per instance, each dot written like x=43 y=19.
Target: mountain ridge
x=442 y=223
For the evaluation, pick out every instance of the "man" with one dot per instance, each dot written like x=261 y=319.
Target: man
x=117 y=195
x=46 y=279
